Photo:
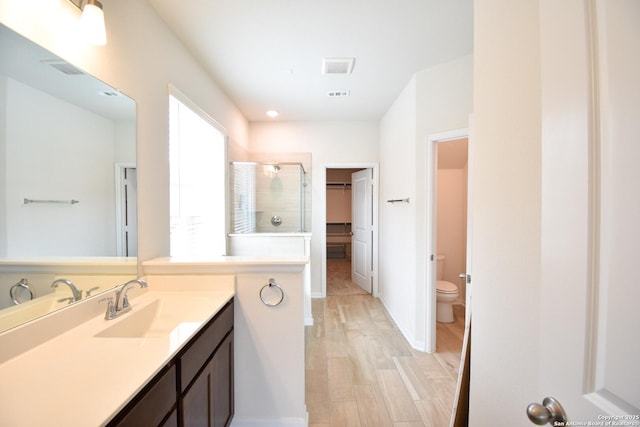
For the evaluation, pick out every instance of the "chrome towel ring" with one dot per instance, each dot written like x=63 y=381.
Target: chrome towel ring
x=22 y=284
x=271 y=294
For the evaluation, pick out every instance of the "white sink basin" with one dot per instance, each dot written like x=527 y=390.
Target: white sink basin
x=162 y=317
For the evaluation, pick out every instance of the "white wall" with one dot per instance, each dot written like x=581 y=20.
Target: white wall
x=125 y=150
x=269 y=353
x=397 y=221
x=505 y=168
x=330 y=143
x=141 y=58
x=436 y=100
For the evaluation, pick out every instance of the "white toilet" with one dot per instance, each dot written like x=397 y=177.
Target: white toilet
x=446 y=293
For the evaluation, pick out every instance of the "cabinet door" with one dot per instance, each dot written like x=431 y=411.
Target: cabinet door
x=172 y=420
x=222 y=385
x=200 y=349
x=209 y=400
x=195 y=402
x=151 y=405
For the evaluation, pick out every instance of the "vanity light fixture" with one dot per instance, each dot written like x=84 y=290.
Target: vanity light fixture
x=272 y=113
x=92 y=21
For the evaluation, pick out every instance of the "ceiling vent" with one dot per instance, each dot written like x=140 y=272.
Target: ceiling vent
x=337 y=65
x=338 y=93
x=63 y=66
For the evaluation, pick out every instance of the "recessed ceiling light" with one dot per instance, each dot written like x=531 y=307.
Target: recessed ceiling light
x=109 y=93
x=272 y=113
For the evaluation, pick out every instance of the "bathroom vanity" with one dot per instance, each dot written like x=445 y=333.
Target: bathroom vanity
x=174 y=358
x=76 y=368
x=196 y=386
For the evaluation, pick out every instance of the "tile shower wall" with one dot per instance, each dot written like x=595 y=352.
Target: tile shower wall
x=278 y=193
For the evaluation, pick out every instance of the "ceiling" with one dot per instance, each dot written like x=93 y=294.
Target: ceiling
x=267 y=54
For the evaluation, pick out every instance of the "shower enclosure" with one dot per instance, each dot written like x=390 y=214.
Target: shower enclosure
x=268 y=197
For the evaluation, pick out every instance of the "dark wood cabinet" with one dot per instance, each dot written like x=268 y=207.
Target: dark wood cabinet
x=209 y=400
x=151 y=407
x=222 y=400
x=195 y=388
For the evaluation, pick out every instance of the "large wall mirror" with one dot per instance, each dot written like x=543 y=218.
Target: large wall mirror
x=68 y=188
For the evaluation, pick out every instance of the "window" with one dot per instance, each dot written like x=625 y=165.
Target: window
x=244 y=197
x=197 y=158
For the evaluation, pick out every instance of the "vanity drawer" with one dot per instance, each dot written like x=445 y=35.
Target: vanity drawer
x=196 y=355
x=152 y=404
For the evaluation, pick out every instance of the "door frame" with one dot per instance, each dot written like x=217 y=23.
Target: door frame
x=120 y=206
x=431 y=166
x=323 y=215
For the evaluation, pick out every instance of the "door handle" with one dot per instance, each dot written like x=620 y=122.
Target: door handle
x=551 y=411
x=466 y=277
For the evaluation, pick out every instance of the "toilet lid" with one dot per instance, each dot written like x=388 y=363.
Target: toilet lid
x=446 y=287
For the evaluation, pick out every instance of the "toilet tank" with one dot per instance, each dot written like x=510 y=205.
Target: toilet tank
x=440 y=267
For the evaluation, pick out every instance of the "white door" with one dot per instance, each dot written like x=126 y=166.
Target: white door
x=362 y=228
x=590 y=235
x=131 y=212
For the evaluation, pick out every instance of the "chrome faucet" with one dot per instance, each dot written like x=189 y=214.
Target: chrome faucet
x=77 y=293
x=122 y=302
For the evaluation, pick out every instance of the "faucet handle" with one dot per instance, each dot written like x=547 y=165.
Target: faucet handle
x=111 y=310
x=91 y=290
x=125 y=301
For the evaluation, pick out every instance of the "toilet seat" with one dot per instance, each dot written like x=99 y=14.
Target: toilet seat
x=445 y=287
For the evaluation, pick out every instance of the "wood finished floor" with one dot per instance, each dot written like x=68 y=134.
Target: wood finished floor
x=339 y=278
x=360 y=371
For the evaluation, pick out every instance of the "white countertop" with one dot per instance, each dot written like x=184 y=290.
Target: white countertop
x=78 y=379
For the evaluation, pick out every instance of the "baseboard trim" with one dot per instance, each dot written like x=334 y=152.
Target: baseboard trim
x=415 y=344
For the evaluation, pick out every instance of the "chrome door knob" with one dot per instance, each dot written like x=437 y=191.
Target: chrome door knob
x=551 y=411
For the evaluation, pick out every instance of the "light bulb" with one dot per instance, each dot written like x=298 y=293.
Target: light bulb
x=92 y=23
